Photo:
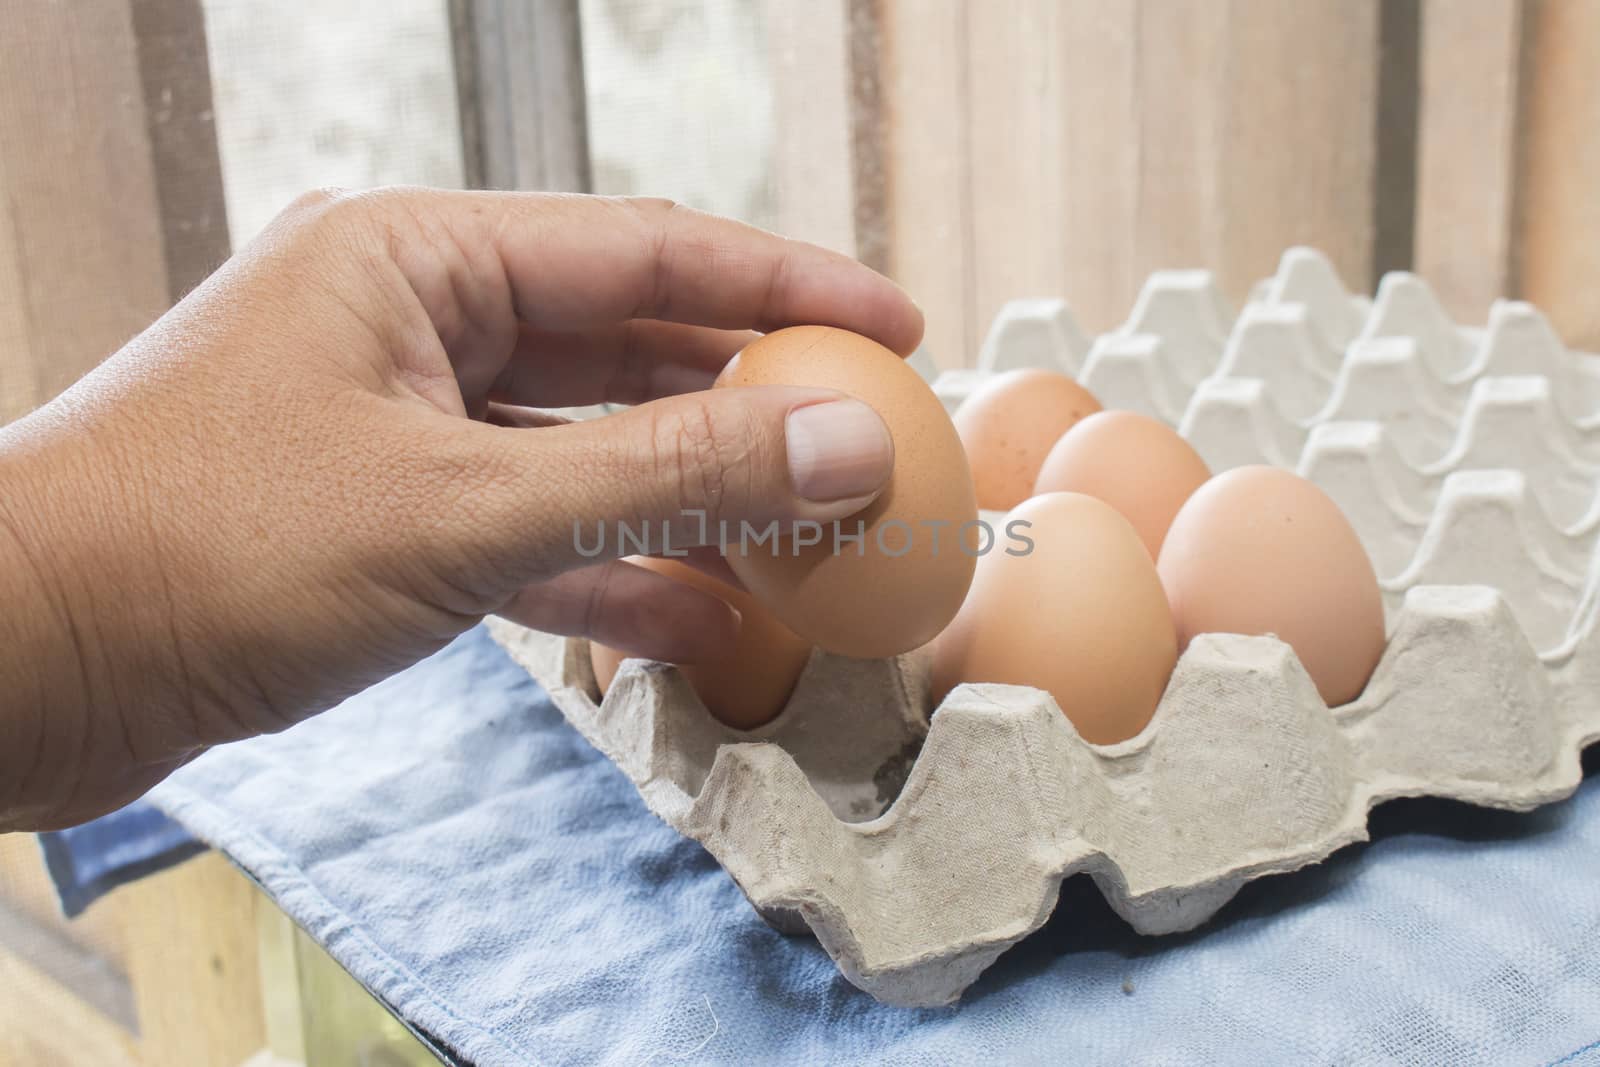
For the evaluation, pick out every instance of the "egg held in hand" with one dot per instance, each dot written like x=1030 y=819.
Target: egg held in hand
x=748 y=683
x=1081 y=615
x=1258 y=550
x=1139 y=466
x=1008 y=426
x=889 y=578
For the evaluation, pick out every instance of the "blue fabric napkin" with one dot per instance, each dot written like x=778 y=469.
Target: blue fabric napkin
x=499 y=884
x=88 y=861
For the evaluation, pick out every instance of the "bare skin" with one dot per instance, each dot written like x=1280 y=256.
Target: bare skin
x=325 y=463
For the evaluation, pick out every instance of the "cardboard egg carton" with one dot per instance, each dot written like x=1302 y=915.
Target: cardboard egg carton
x=916 y=851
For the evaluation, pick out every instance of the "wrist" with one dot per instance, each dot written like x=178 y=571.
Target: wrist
x=40 y=665
x=73 y=743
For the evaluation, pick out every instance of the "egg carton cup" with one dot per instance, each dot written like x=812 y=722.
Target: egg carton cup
x=917 y=850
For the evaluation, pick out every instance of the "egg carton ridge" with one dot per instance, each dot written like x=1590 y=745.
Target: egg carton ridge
x=1243 y=772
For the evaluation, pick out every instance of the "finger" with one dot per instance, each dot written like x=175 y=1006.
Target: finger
x=625 y=363
x=577 y=262
x=709 y=560
x=694 y=467
x=628 y=608
x=518 y=417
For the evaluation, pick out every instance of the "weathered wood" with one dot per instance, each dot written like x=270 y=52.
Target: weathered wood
x=110 y=187
x=64 y=991
x=868 y=132
x=1394 y=129
x=1297 y=161
x=181 y=123
x=828 y=157
x=46 y=1022
x=25 y=886
x=928 y=173
x=192 y=959
x=1177 y=149
x=1558 y=167
x=813 y=179
x=82 y=233
x=1019 y=132
x=281 y=1010
x=1045 y=148
x=1467 y=148
x=519 y=79
x=96 y=981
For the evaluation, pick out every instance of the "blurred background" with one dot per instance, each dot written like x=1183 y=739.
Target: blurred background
x=976 y=151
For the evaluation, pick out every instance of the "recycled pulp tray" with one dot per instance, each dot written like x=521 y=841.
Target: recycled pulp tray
x=917 y=853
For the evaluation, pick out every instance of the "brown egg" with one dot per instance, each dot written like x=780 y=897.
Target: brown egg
x=749 y=683
x=1008 y=425
x=1258 y=550
x=1139 y=466
x=903 y=581
x=1081 y=616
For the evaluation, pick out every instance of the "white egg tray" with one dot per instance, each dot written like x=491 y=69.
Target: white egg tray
x=917 y=852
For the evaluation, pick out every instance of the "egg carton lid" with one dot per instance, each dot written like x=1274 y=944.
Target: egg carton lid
x=917 y=851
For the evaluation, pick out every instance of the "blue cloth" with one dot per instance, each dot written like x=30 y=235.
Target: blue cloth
x=88 y=861
x=500 y=884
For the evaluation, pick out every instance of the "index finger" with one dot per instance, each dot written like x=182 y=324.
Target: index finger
x=575 y=262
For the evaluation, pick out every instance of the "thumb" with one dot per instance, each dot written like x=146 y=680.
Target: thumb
x=676 y=471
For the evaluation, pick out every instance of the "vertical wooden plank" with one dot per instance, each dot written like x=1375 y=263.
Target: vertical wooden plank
x=463 y=19
x=519 y=76
x=927 y=173
x=1180 y=148
x=1099 y=156
x=813 y=176
x=1467 y=152
x=283 y=1014
x=829 y=160
x=1297 y=163
x=193 y=961
x=868 y=133
x=87 y=269
x=1018 y=131
x=1108 y=138
x=1254 y=124
x=828 y=163
x=25 y=886
x=47 y=1023
x=344 y=1023
x=175 y=73
x=1558 y=213
x=44 y=950
x=110 y=187
x=17 y=390
x=1394 y=125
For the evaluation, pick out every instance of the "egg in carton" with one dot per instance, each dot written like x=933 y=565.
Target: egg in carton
x=917 y=850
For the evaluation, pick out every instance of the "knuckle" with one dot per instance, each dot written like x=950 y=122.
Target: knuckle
x=709 y=455
x=322 y=213
x=382 y=201
x=653 y=208
x=315 y=201
x=337 y=208
x=596 y=602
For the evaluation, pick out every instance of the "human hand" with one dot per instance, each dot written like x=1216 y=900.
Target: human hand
x=324 y=464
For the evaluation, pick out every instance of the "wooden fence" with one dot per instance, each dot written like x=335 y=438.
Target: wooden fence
x=1069 y=147
x=977 y=151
